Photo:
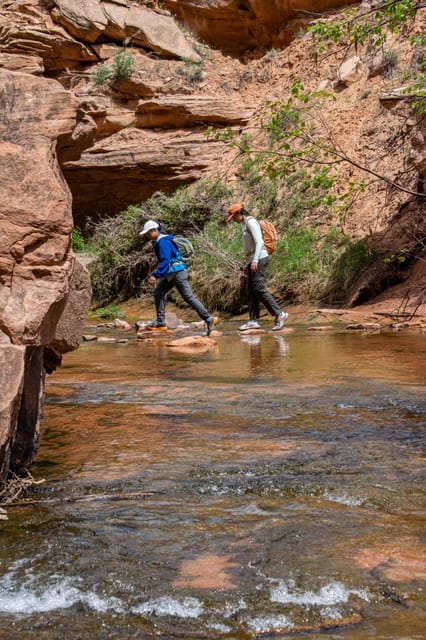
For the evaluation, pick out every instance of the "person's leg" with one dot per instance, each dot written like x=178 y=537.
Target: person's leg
x=162 y=286
x=182 y=285
x=252 y=298
x=253 y=304
x=261 y=292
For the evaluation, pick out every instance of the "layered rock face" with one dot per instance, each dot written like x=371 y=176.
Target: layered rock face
x=37 y=266
x=141 y=131
x=238 y=25
x=137 y=132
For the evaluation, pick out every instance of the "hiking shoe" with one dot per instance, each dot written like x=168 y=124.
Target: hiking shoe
x=156 y=326
x=279 y=321
x=211 y=322
x=251 y=324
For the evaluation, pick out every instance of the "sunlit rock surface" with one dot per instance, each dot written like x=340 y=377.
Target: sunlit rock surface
x=36 y=261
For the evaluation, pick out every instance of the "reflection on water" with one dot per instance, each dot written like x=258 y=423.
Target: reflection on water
x=271 y=487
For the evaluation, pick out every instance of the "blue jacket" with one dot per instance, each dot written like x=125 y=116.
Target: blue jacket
x=169 y=258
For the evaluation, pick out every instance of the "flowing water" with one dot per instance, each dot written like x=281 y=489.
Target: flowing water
x=272 y=487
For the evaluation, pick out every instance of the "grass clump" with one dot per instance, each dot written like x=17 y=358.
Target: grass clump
x=111 y=312
x=122 y=65
x=390 y=58
x=217 y=276
x=192 y=71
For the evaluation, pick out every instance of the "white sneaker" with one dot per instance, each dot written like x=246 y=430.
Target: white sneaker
x=279 y=321
x=251 y=324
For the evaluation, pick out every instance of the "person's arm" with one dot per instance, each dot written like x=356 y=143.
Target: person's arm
x=164 y=250
x=256 y=233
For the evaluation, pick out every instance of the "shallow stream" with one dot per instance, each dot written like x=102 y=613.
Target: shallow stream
x=271 y=487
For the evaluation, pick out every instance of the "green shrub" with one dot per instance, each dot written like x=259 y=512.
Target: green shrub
x=391 y=58
x=188 y=208
x=123 y=260
x=120 y=265
x=121 y=69
x=122 y=65
x=101 y=75
x=355 y=255
x=77 y=240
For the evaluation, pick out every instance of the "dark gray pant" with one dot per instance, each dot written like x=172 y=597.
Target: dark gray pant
x=180 y=281
x=257 y=292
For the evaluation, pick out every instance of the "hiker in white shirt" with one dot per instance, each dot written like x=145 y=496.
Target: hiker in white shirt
x=256 y=261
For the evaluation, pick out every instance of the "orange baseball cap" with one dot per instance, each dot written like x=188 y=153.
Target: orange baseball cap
x=233 y=209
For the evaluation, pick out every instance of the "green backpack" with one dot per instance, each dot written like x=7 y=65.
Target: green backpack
x=185 y=248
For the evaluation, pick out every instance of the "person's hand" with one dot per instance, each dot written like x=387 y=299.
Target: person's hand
x=151 y=280
x=253 y=266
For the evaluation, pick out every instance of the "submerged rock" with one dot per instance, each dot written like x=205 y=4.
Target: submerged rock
x=193 y=344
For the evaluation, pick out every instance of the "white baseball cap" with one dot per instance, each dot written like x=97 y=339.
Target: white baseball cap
x=150 y=224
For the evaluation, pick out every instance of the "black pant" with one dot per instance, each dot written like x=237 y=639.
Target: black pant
x=257 y=291
x=180 y=281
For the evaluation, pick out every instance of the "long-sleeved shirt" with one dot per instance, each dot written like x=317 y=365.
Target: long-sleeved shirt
x=169 y=258
x=254 y=247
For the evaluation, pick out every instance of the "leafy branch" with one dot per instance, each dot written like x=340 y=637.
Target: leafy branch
x=368 y=27
x=372 y=28
x=295 y=134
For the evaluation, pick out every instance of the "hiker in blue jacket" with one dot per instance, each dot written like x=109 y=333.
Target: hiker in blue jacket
x=170 y=272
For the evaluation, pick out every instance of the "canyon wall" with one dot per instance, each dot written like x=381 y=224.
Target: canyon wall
x=38 y=271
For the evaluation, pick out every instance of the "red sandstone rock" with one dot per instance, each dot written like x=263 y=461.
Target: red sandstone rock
x=28 y=30
x=192 y=344
x=237 y=26
x=36 y=261
x=88 y=20
x=35 y=219
x=131 y=164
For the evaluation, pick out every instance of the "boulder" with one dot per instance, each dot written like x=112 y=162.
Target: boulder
x=12 y=367
x=376 y=64
x=158 y=33
x=89 y=20
x=35 y=207
x=116 y=12
x=350 y=71
x=122 y=324
x=83 y=19
x=69 y=329
x=192 y=344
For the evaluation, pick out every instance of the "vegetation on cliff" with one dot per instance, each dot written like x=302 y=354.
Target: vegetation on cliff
x=307 y=264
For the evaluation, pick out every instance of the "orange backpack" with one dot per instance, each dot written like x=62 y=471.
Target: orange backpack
x=269 y=234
